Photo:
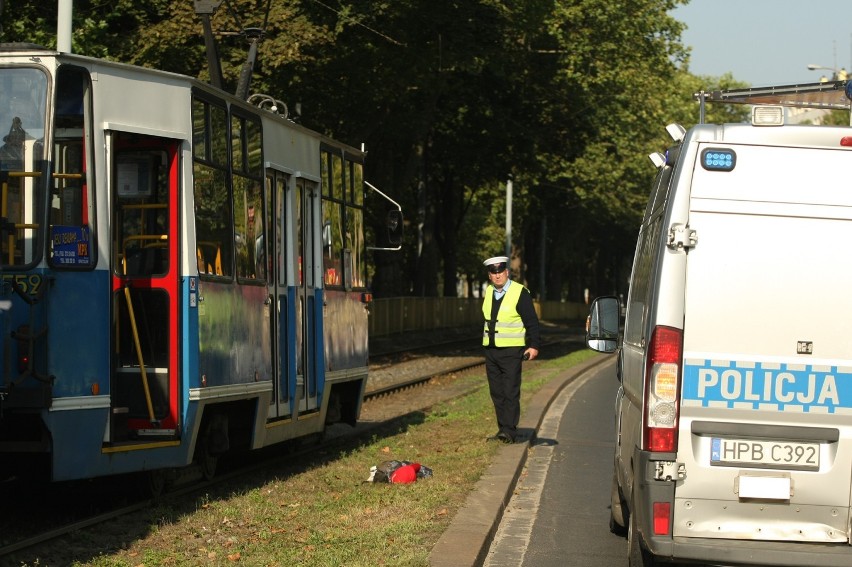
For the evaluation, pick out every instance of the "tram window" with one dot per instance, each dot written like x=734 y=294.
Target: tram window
x=213 y=223
x=246 y=146
x=332 y=213
x=218 y=135
x=237 y=145
x=71 y=186
x=210 y=132
x=23 y=93
x=275 y=186
x=249 y=238
x=332 y=220
x=254 y=148
x=214 y=240
x=344 y=247
x=199 y=129
x=142 y=215
x=355 y=242
x=355 y=245
x=357 y=178
x=337 y=181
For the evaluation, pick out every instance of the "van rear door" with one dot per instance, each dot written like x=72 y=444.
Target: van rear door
x=765 y=430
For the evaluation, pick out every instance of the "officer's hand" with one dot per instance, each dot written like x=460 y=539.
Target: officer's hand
x=530 y=354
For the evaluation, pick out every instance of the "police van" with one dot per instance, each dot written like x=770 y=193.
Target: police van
x=734 y=411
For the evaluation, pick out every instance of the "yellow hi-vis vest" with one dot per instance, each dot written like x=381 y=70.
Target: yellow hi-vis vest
x=509 y=330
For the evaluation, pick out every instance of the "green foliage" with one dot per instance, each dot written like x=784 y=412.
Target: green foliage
x=837 y=118
x=567 y=96
x=100 y=29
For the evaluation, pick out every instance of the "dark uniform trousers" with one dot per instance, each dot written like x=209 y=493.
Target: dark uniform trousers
x=503 y=367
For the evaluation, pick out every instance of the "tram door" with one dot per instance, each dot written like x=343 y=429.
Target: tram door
x=144 y=179
x=277 y=206
x=292 y=291
x=307 y=325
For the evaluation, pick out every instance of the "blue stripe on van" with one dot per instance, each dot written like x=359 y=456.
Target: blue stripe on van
x=796 y=388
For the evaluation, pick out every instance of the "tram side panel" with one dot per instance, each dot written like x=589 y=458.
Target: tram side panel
x=233 y=336
x=346 y=350
x=78 y=329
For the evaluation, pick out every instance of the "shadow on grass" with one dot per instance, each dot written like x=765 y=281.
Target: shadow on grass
x=239 y=475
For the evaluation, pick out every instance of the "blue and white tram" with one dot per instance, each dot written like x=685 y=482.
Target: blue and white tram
x=183 y=273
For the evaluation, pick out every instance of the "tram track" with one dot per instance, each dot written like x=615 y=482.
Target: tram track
x=382 y=405
x=427 y=361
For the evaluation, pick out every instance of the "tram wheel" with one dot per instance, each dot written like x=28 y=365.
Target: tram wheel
x=207 y=463
x=156 y=482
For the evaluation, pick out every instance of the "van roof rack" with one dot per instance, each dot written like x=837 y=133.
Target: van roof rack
x=830 y=95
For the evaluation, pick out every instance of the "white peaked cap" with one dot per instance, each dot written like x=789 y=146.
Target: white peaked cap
x=496 y=260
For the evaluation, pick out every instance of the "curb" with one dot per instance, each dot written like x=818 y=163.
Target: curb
x=468 y=537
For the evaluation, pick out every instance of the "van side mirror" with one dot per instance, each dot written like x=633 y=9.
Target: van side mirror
x=602 y=324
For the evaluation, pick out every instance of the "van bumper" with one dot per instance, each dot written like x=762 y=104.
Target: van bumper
x=746 y=552
x=718 y=551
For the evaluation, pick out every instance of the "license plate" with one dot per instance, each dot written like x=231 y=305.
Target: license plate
x=764 y=454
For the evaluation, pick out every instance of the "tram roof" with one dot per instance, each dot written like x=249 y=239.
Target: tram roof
x=31 y=49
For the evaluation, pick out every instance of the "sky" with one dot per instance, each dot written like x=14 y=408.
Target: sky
x=767 y=42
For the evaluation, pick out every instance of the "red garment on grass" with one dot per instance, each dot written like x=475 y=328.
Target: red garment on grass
x=405 y=474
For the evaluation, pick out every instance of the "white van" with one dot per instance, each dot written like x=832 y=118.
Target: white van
x=734 y=411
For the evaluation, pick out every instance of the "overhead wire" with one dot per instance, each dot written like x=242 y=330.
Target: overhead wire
x=324 y=5
x=366 y=27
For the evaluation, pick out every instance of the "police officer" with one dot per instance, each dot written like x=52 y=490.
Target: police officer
x=511 y=335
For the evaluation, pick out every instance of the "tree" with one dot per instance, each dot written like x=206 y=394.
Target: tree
x=568 y=97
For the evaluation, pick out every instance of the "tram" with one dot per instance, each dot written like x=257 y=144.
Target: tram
x=183 y=273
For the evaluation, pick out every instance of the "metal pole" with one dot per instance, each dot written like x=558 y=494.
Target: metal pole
x=509 y=217
x=542 y=272
x=63 y=26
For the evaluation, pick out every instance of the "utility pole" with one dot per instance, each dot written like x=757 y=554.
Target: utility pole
x=509 y=218
x=542 y=272
x=63 y=25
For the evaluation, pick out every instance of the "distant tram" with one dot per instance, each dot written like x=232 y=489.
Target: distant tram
x=183 y=273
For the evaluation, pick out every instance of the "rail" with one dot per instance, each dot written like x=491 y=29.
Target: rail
x=394 y=315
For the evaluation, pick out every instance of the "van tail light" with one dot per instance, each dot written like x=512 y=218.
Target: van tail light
x=662 y=516
x=662 y=390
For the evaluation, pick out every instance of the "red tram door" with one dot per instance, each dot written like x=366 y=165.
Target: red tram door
x=144 y=241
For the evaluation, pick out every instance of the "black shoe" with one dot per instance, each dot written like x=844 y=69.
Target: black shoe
x=505 y=438
x=495 y=437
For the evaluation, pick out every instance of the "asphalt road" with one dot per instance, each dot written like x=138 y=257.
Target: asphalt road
x=559 y=513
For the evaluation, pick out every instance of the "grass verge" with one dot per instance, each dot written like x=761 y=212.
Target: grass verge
x=325 y=514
